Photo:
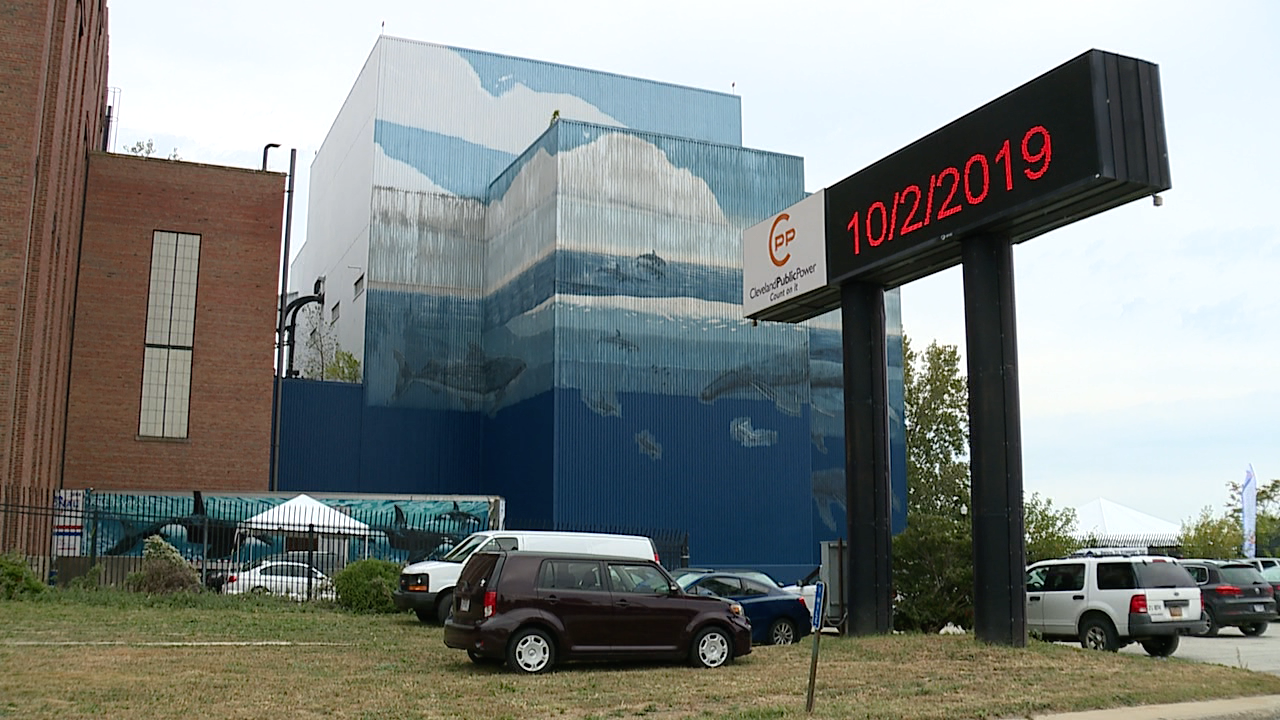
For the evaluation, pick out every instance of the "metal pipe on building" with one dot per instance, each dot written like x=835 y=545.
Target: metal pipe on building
x=284 y=292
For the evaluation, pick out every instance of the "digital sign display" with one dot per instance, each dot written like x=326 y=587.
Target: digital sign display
x=1082 y=138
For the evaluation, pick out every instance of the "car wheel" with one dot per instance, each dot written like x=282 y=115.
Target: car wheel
x=711 y=648
x=1160 y=646
x=782 y=632
x=1254 y=629
x=1213 y=628
x=1096 y=633
x=531 y=651
x=444 y=607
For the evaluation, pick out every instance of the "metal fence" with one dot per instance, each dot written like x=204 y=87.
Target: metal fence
x=105 y=533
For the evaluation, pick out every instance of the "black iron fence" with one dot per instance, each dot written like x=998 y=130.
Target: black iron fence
x=70 y=535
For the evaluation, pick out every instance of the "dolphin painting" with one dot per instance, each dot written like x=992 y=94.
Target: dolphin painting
x=741 y=431
x=618 y=341
x=602 y=403
x=187 y=529
x=649 y=445
x=828 y=490
x=478 y=381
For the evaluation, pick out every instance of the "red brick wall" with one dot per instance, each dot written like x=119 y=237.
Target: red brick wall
x=238 y=214
x=53 y=73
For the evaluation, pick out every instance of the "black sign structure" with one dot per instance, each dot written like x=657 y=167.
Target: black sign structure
x=1084 y=137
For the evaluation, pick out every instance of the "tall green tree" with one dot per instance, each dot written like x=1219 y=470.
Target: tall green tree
x=1267 y=517
x=933 y=557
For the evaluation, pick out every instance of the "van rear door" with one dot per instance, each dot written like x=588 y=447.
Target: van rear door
x=479 y=575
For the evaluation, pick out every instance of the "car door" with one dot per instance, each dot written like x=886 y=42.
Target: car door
x=575 y=593
x=1063 y=600
x=649 y=618
x=755 y=599
x=1035 y=599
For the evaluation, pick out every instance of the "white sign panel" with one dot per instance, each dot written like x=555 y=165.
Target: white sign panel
x=68 y=523
x=785 y=256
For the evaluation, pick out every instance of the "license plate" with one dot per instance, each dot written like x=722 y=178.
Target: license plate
x=464 y=604
x=1175 y=612
x=1259 y=608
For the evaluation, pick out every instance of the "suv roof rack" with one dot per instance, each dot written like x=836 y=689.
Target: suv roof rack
x=1110 y=552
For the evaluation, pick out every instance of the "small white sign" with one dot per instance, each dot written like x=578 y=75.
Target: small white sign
x=68 y=523
x=785 y=256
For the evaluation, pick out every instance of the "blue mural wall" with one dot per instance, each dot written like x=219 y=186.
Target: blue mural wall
x=553 y=312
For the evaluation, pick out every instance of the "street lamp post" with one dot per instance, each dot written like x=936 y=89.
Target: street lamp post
x=277 y=398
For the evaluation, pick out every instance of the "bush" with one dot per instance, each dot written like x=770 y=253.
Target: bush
x=91 y=580
x=164 y=570
x=365 y=586
x=16 y=578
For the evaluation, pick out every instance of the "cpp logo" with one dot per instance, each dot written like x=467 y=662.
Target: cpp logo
x=780 y=236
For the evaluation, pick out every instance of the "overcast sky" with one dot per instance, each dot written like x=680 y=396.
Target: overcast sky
x=1148 y=338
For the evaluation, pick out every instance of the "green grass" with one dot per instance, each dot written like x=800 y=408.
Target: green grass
x=390 y=666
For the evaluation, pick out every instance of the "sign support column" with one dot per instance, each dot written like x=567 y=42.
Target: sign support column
x=995 y=442
x=867 y=485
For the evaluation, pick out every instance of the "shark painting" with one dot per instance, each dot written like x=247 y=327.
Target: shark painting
x=478 y=381
x=420 y=543
x=828 y=490
x=194 y=529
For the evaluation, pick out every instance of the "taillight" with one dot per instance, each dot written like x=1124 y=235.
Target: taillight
x=490 y=603
x=1268 y=590
x=656 y=558
x=1138 y=604
x=231 y=579
x=1231 y=590
x=803 y=604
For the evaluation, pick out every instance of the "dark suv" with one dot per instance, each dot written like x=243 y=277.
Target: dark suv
x=535 y=609
x=1234 y=593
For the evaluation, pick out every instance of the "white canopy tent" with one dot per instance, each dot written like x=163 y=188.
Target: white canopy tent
x=304 y=516
x=1108 y=523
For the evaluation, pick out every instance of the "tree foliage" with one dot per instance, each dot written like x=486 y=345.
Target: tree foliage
x=933 y=557
x=164 y=570
x=1050 y=531
x=1267 y=518
x=1211 y=536
x=365 y=586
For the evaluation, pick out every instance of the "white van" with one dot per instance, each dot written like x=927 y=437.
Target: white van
x=427 y=587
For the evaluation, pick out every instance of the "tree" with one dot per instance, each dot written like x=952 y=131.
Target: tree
x=1267 y=518
x=933 y=557
x=1210 y=536
x=1050 y=532
x=322 y=357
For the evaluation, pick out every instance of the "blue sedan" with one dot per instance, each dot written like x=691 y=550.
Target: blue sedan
x=777 y=617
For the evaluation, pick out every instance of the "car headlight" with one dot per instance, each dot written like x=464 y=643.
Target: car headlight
x=735 y=608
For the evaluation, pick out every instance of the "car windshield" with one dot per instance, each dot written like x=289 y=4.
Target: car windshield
x=1272 y=574
x=760 y=577
x=684 y=580
x=1163 y=575
x=1241 y=575
x=463 y=551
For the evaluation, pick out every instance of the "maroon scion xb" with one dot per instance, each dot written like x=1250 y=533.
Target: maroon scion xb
x=534 y=609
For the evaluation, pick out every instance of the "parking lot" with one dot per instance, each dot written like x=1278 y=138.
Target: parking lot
x=1231 y=648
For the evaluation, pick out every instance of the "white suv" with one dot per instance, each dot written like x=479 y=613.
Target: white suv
x=1108 y=601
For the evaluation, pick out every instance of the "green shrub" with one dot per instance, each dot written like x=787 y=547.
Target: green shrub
x=164 y=570
x=91 y=580
x=16 y=578
x=365 y=586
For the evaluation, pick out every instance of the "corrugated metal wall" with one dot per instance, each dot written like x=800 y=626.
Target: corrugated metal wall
x=554 y=311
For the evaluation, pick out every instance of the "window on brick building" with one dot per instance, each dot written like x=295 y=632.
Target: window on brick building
x=171 y=320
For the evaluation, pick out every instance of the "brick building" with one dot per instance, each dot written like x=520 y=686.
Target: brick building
x=137 y=296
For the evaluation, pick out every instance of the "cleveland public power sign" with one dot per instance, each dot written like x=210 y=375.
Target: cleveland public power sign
x=1080 y=139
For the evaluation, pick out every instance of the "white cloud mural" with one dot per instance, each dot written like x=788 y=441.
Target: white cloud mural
x=458 y=105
